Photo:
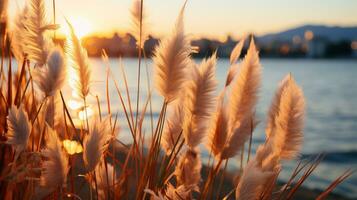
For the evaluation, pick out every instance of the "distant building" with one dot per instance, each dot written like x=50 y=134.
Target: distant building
x=316 y=47
x=227 y=47
x=354 y=48
x=150 y=45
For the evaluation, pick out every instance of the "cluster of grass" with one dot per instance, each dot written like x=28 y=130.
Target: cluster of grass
x=45 y=154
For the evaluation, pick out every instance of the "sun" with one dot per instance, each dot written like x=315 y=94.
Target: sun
x=82 y=27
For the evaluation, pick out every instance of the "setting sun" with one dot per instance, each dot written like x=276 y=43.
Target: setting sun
x=82 y=26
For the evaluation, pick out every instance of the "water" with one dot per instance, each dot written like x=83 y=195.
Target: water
x=330 y=88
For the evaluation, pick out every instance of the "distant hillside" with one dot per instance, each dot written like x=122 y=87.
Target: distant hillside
x=332 y=33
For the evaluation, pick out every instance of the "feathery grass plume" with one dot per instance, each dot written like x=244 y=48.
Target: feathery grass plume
x=103 y=178
x=200 y=101
x=232 y=71
x=234 y=68
x=188 y=170
x=236 y=52
x=37 y=44
x=51 y=78
x=154 y=196
x=251 y=184
x=18 y=129
x=274 y=107
x=173 y=126
x=244 y=91
x=55 y=167
x=217 y=134
x=171 y=193
x=288 y=136
x=138 y=18
x=172 y=57
x=17 y=37
x=260 y=174
x=80 y=71
x=238 y=136
x=54 y=115
x=96 y=142
x=181 y=192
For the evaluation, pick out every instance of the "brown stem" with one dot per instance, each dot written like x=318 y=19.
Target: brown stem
x=139 y=67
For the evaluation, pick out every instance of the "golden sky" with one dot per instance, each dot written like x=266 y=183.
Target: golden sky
x=209 y=18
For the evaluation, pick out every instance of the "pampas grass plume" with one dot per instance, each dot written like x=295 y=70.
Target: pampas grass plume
x=51 y=77
x=138 y=17
x=244 y=91
x=172 y=126
x=274 y=107
x=181 y=192
x=172 y=57
x=104 y=179
x=252 y=182
x=200 y=101
x=17 y=36
x=55 y=168
x=289 y=122
x=236 y=52
x=18 y=129
x=96 y=142
x=218 y=130
x=188 y=170
x=37 y=44
x=238 y=136
x=80 y=71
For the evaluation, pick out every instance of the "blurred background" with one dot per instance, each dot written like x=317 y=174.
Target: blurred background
x=316 y=41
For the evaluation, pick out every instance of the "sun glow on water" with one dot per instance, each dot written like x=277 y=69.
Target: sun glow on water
x=82 y=115
x=72 y=147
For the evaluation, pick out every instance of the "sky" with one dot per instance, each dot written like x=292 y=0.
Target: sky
x=204 y=18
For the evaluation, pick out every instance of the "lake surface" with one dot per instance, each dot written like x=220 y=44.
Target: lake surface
x=330 y=88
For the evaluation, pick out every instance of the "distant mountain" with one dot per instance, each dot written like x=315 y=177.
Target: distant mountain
x=332 y=33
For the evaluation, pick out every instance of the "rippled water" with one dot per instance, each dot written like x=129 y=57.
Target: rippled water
x=330 y=87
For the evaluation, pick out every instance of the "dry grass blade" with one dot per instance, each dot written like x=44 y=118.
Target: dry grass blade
x=334 y=184
x=299 y=167
x=19 y=84
x=306 y=174
x=3 y=10
x=9 y=83
x=126 y=89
